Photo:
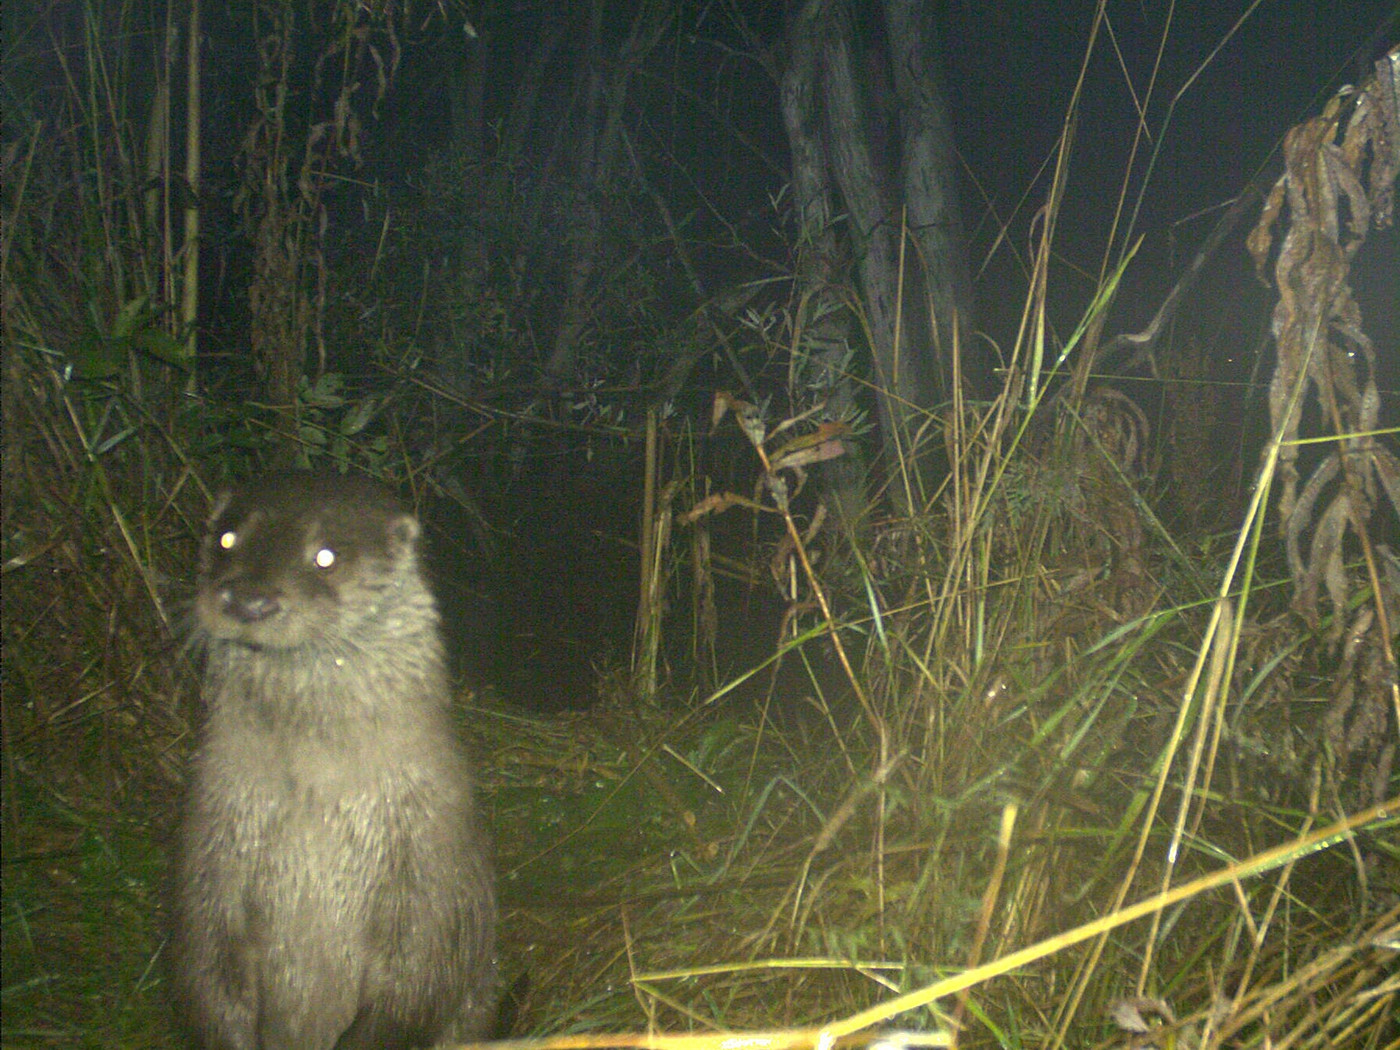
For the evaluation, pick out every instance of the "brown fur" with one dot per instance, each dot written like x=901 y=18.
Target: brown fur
x=332 y=887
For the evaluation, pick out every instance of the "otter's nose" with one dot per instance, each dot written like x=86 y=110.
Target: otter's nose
x=248 y=605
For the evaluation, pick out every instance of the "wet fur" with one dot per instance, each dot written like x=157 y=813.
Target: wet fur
x=331 y=886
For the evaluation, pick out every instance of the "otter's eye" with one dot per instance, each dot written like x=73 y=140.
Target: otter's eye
x=324 y=558
x=228 y=540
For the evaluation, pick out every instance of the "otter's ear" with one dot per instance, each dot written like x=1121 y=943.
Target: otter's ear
x=221 y=502
x=401 y=533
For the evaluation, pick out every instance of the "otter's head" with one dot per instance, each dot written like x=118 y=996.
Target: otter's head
x=301 y=561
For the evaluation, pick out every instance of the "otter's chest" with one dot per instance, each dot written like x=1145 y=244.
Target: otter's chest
x=286 y=799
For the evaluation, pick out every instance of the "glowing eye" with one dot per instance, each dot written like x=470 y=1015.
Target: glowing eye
x=227 y=540
x=325 y=558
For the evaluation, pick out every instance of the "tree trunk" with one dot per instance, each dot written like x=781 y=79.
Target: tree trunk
x=604 y=84
x=827 y=330
x=931 y=188
x=865 y=117
x=279 y=308
x=871 y=203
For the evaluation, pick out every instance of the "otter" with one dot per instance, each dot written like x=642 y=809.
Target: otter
x=331 y=886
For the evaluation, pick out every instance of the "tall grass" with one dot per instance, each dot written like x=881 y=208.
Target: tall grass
x=1090 y=772
x=100 y=505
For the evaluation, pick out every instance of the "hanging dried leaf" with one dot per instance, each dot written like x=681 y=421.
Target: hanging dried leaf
x=1338 y=184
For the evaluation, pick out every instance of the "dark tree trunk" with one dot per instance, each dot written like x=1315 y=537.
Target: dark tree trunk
x=866 y=118
x=930 y=186
x=292 y=156
x=870 y=193
x=520 y=123
x=601 y=101
x=827 y=324
x=278 y=216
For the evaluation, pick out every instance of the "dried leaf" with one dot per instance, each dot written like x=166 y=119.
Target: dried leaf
x=803 y=457
x=1261 y=239
x=1325 y=564
x=1338 y=183
x=717 y=504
